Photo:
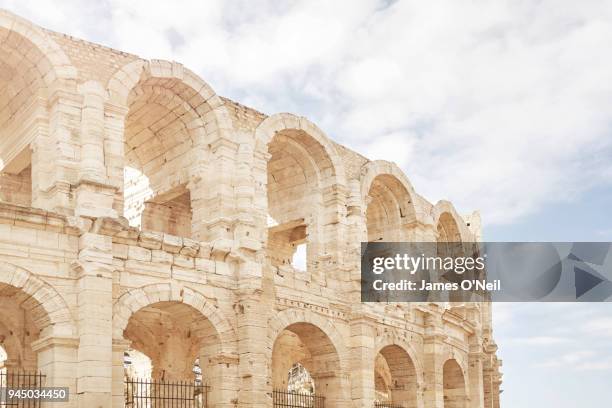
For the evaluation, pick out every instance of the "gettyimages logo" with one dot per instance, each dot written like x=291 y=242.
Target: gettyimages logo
x=481 y=272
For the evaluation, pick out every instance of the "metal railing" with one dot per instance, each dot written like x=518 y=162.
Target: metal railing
x=20 y=379
x=147 y=393
x=382 y=404
x=293 y=399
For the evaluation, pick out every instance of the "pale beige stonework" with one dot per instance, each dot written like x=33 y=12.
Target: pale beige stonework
x=218 y=198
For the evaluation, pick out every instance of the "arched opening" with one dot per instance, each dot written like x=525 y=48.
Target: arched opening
x=454 y=385
x=19 y=327
x=173 y=336
x=23 y=93
x=305 y=350
x=171 y=357
x=140 y=384
x=298 y=171
x=389 y=210
x=448 y=235
x=449 y=245
x=395 y=377
x=162 y=129
x=382 y=380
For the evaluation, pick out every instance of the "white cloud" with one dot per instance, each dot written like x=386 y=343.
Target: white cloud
x=539 y=340
x=502 y=106
x=595 y=365
x=568 y=360
x=578 y=361
x=600 y=327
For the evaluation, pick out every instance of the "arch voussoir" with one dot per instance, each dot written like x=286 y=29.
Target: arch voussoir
x=40 y=298
x=136 y=299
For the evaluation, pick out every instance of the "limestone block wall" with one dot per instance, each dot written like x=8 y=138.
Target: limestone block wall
x=175 y=257
x=17 y=188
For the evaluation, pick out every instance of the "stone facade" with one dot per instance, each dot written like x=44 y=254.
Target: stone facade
x=140 y=210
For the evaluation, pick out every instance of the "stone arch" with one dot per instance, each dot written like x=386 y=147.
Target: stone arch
x=300 y=183
x=388 y=202
x=445 y=215
x=48 y=308
x=454 y=384
x=454 y=239
x=138 y=298
x=32 y=66
x=278 y=122
x=405 y=370
x=392 y=340
x=125 y=79
x=203 y=333
x=291 y=316
x=327 y=358
x=58 y=61
x=171 y=118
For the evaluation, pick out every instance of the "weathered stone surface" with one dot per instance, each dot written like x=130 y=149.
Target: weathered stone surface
x=140 y=211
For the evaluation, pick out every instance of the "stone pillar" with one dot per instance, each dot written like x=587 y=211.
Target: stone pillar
x=334 y=230
x=334 y=387
x=433 y=344
x=94 y=317
x=92 y=132
x=57 y=361
x=490 y=376
x=55 y=152
x=255 y=365
x=212 y=193
x=362 y=357
x=487 y=386
x=114 y=155
x=496 y=389
x=475 y=364
x=118 y=390
x=250 y=218
x=220 y=374
x=94 y=196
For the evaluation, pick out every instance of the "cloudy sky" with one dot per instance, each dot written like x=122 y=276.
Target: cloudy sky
x=502 y=106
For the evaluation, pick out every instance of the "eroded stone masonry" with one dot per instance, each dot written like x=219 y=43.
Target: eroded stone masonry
x=144 y=218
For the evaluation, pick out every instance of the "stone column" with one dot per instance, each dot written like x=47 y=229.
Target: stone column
x=220 y=374
x=92 y=132
x=57 y=358
x=476 y=389
x=55 y=153
x=490 y=376
x=118 y=387
x=362 y=357
x=496 y=389
x=487 y=386
x=94 y=317
x=255 y=356
x=114 y=155
x=212 y=192
x=334 y=231
x=433 y=343
x=94 y=195
x=250 y=217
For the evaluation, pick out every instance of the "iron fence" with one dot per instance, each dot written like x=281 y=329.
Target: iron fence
x=20 y=379
x=147 y=393
x=382 y=404
x=292 y=399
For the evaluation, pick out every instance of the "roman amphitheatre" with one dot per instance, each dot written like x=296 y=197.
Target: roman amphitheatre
x=164 y=246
